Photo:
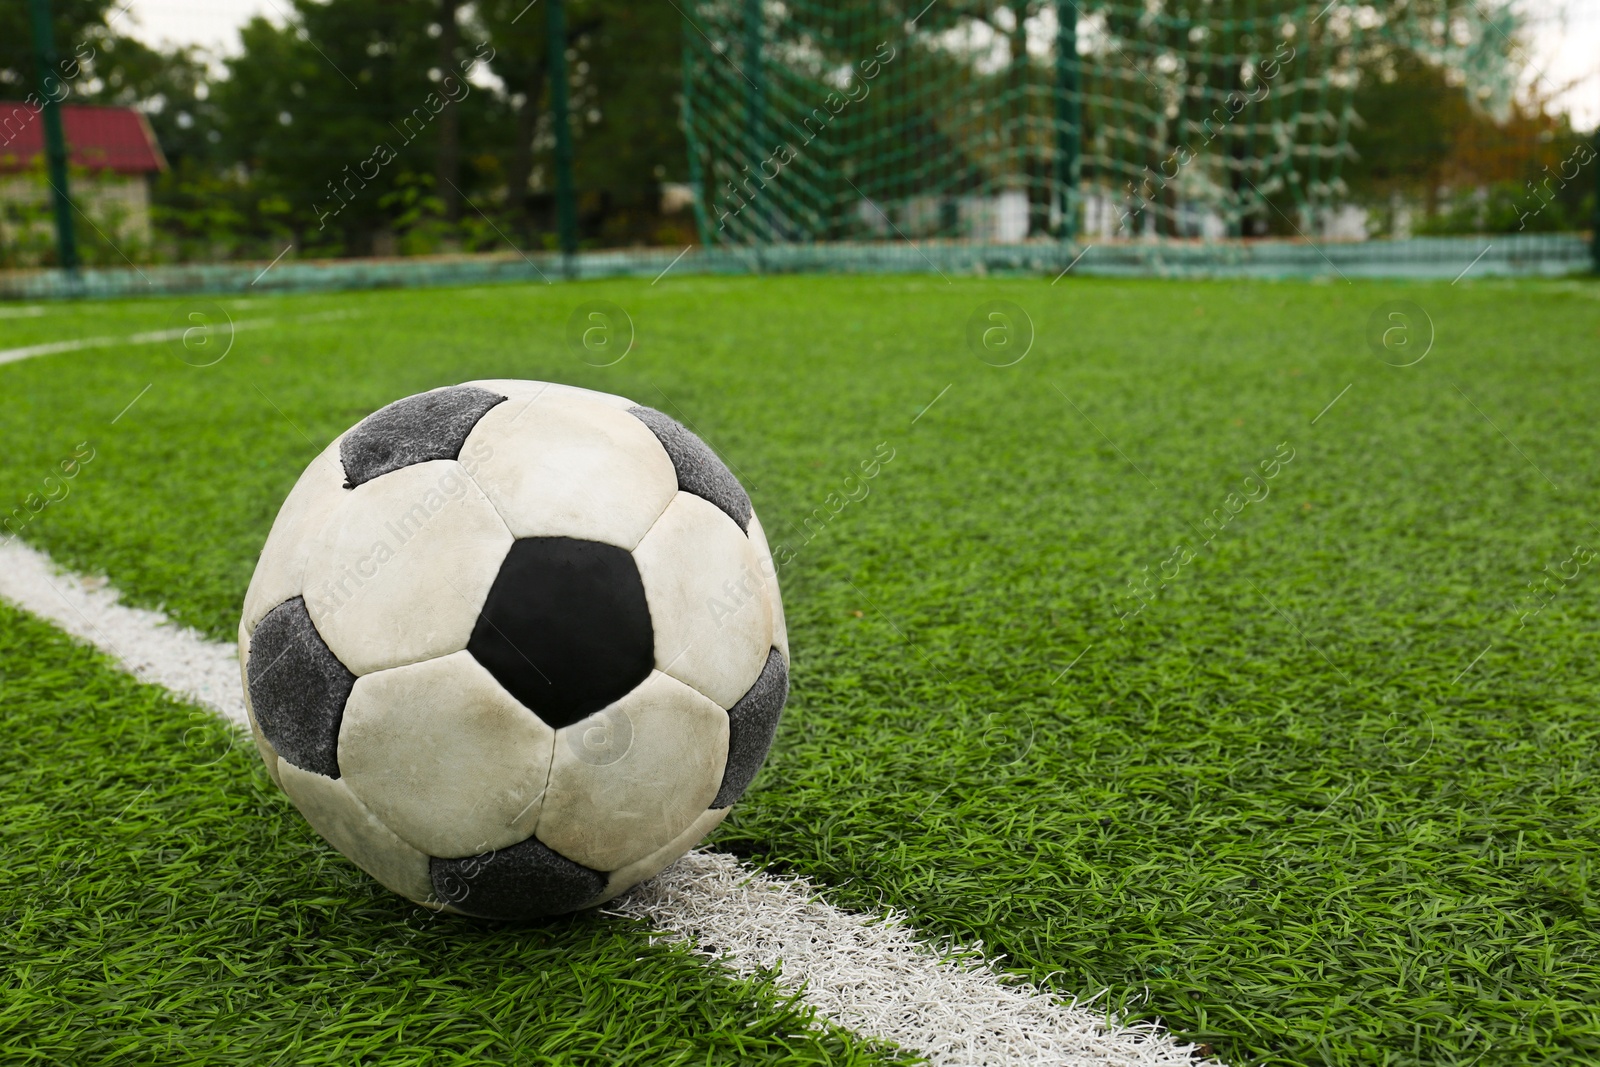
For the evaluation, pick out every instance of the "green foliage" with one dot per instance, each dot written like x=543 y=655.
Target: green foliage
x=1509 y=207
x=421 y=227
x=628 y=135
x=1236 y=110
x=1408 y=112
x=76 y=22
x=27 y=225
x=202 y=214
x=328 y=111
x=626 y=85
x=338 y=115
x=27 y=222
x=1424 y=140
x=320 y=123
x=1332 y=798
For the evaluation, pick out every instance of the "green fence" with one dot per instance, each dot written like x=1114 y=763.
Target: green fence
x=1151 y=138
x=1532 y=255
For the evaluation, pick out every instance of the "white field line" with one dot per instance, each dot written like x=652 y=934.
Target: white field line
x=870 y=974
x=149 y=337
x=145 y=643
x=77 y=344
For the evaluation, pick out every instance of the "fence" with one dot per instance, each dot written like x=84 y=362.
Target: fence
x=1532 y=255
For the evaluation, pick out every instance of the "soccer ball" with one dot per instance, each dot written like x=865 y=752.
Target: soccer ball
x=513 y=647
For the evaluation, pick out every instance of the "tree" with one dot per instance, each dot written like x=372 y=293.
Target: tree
x=80 y=28
x=1410 y=117
x=516 y=32
x=627 y=116
x=623 y=61
x=1431 y=132
x=337 y=113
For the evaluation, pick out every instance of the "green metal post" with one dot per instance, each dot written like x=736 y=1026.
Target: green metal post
x=1306 y=191
x=566 y=194
x=1246 y=144
x=44 y=52
x=1594 y=240
x=1069 y=116
x=755 y=95
x=690 y=134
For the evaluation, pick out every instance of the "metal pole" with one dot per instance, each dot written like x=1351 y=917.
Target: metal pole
x=566 y=196
x=1069 y=116
x=44 y=52
x=1594 y=239
x=696 y=176
x=755 y=94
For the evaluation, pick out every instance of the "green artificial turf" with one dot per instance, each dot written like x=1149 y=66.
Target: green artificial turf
x=1329 y=797
x=164 y=903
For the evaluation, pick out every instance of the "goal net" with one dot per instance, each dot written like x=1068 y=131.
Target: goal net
x=863 y=120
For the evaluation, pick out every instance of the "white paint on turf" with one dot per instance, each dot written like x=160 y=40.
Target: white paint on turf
x=149 y=337
x=145 y=643
x=870 y=974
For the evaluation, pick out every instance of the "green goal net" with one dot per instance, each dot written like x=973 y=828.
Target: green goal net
x=1033 y=119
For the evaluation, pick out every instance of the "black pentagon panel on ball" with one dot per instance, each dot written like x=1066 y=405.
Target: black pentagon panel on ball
x=752 y=723
x=566 y=627
x=528 y=880
x=298 y=688
x=700 y=472
x=413 y=430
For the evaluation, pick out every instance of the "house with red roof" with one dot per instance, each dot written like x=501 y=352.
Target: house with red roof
x=114 y=158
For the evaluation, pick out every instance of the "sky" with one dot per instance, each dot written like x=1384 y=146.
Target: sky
x=1565 y=40
x=212 y=23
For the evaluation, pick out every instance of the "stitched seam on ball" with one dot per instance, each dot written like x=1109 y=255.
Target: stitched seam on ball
x=549 y=773
x=479 y=485
x=771 y=635
x=677 y=486
x=676 y=493
x=421 y=659
x=485 y=494
x=544 y=799
x=504 y=525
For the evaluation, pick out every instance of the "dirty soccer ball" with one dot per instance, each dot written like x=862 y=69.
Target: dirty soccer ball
x=514 y=647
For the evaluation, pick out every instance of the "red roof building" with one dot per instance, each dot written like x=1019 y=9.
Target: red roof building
x=115 y=139
x=116 y=147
